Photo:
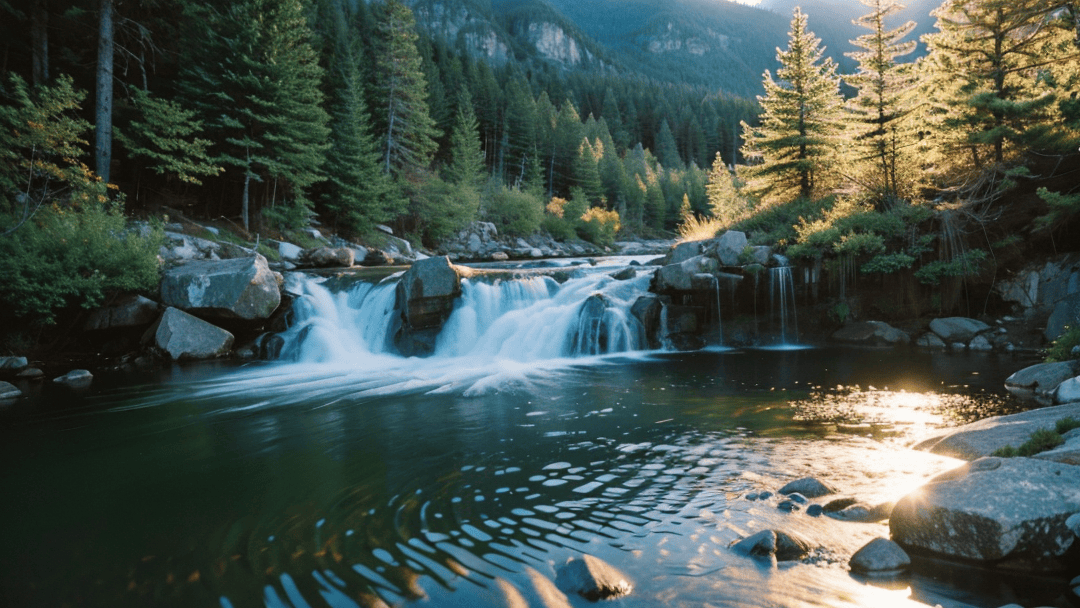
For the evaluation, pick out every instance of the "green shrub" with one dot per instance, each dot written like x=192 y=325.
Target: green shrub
x=515 y=212
x=888 y=263
x=1066 y=424
x=599 y=226
x=1062 y=348
x=1041 y=440
x=75 y=257
x=966 y=264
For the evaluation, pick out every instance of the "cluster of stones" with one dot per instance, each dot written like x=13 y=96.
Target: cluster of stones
x=480 y=242
x=22 y=371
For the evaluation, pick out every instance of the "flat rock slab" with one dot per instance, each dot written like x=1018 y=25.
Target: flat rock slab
x=993 y=509
x=983 y=437
x=241 y=288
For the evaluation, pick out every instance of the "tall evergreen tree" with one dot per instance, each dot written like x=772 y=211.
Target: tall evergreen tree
x=666 y=149
x=884 y=97
x=255 y=80
x=357 y=194
x=409 y=143
x=986 y=64
x=587 y=174
x=799 y=139
x=725 y=203
x=466 y=166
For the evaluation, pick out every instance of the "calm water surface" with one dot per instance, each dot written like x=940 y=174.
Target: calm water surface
x=402 y=484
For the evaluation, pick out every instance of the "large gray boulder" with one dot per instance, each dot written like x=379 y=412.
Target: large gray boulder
x=680 y=277
x=993 y=509
x=592 y=578
x=728 y=247
x=184 y=336
x=13 y=363
x=1068 y=391
x=425 y=297
x=329 y=257
x=1039 y=381
x=983 y=437
x=125 y=312
x=957 y=329
x=874 y=333
x=75 y=379
x=241 y=288
x=648 y=309
x=1066 y=313
x=684 y=251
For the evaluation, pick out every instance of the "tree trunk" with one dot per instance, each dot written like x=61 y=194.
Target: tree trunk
x=103 y=112
x=39 y=41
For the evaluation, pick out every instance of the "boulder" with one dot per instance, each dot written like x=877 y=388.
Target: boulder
x=648 y=310
x=980 y=344
x=957 y=329
x=993 y=509
x=1066 y=313
x=242 y=288
x=880 y=557
x=679 y=277
x=1039 y=381
x=983 y=437
x=9 y=391
x=31 y=373
x=288 y=251
x=376 y=257
x=76 y=379
x=13 y=363
x=426 y=292
x=728 y=247
x=625 y=274
x=1068 y=391
x=125 y=312
x=877 y=333
x=329 y=257
x=589 y=336
x=768 y=544
x=808 y=487
x=930 y=340
x=499 y=256
x=761 y=254
x=592 y=579
x=184 y=336
x=863 y=514
x=684 y=251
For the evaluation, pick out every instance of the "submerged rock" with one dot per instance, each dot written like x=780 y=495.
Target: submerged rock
x=76 y=379
x=930 y=340
x=957 y=329
x=592 y=578
x=9 y=391
x=184 y=336
x=877 y=333
x=768 y=544
x=880 y=557
x=993 y=509
x=809 y=487
x=241 y=288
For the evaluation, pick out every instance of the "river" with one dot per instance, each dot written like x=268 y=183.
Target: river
x=346 y=476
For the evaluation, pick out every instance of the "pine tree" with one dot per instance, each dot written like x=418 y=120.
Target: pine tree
x=409 y=143
x=725 y=203
x=884 y=99
x=466 y=166
x=254 y=81
x=666 y=149
x=357 y=195
x=587 y=174
x=987 y=66
x=798 y=142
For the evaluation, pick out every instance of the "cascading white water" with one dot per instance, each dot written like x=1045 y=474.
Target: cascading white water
x=782 y=298
x=522 y=319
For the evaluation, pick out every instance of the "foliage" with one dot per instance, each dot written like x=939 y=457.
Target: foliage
x=74 y=256
x=439 y=208
x=965 y=264
x=725 y=202
x=1062 y=208
x=164 y=134
x=599 y=226
x=1062 y=348
x=694 y=228
x=1040 y=441
x=41 y=141
x=514 y=212
x=798 y=144
x=1066 y=424
x=888 y=263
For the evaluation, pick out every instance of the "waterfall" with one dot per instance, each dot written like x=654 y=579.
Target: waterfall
x=521 y=319
x=719 y=324
x=782 y=301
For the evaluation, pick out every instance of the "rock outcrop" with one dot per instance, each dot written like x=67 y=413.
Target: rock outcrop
x=183 y=336
x=1048 y=290
x=241 y=288
x=983 y=437
x=993 y=510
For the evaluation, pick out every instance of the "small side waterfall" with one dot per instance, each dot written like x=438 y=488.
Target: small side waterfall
x=719 y=320
x=782 y=304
